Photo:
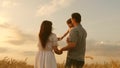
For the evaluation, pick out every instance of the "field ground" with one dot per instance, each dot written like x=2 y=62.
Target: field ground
x=12 y=63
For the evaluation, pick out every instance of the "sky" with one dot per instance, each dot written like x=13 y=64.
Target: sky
x=20 y=22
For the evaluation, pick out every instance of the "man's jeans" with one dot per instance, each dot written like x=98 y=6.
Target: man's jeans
x=71 y=63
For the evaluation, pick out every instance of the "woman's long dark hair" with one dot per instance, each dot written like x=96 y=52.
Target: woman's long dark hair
x=45 y=31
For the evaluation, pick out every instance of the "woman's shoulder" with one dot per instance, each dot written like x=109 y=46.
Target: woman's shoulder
x=53 y=35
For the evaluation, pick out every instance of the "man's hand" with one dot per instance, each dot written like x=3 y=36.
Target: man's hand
x=59 y=52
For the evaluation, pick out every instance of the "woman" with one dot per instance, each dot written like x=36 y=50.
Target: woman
x=47 y=43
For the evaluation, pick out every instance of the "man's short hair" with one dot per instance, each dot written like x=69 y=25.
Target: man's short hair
x=77 y=17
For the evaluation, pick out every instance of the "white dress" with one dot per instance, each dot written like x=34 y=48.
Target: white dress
x=45 y=57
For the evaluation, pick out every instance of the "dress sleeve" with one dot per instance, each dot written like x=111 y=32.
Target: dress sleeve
x=54 y=40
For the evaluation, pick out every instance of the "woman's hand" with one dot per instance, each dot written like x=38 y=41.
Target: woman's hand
x=59 y=52
x=56 y=50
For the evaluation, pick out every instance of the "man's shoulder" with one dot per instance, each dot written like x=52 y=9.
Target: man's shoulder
x=74 y=29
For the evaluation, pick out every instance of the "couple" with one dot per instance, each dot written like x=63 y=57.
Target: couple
x=76 y=45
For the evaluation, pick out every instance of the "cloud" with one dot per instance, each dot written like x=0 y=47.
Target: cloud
x=23 y=38
x=4 y=25
x=103 y=48
x=29 y=53
x=13 y=35
x=3 y=19
x=2 y=49
x=52 y=7
x=8 y=4
x=100 y=48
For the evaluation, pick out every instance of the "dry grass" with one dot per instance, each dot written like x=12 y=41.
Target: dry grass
x=112 y=64
x=12 y=63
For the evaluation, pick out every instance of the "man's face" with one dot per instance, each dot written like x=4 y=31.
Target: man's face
x=73 y=21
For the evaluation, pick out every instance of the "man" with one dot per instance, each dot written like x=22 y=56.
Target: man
x=76 y=44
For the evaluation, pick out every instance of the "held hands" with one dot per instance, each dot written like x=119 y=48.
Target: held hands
x=59 y=52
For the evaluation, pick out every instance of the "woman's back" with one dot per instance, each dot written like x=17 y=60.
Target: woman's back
x=45 y=57
x=52 y=41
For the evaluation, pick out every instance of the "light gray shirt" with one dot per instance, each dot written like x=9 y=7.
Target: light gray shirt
x=77 y=35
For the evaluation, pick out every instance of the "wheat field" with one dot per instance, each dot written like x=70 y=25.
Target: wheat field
x=12 y=63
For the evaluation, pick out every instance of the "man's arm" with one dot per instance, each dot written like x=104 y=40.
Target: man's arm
x=72 y=40
x=69 y=46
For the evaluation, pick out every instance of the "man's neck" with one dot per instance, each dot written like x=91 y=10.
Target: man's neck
x=76 y=24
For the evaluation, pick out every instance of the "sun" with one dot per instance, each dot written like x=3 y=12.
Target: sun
x=102 y=42
x=2 y=20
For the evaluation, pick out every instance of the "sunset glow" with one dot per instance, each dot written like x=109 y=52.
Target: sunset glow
x=2 y=20
x=20 y=22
